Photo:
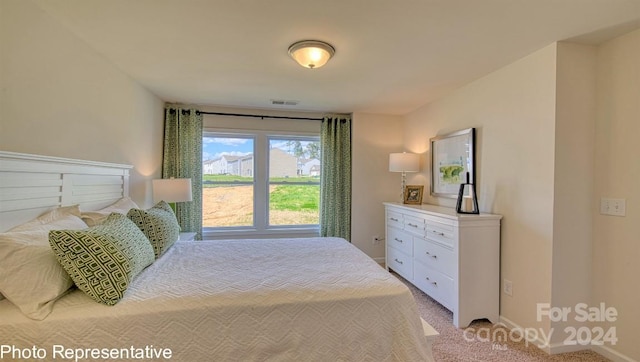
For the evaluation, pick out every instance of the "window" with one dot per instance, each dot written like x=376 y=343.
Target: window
x=294 y=181
x=258 y=183
x=227 y=181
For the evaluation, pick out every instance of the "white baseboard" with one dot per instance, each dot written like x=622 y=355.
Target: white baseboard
x=529 y=338
x=611 y=354
x=561 y=348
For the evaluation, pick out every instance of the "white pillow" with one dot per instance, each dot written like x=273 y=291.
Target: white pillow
x=56 y=215
x=30 y=275
x=122 y=206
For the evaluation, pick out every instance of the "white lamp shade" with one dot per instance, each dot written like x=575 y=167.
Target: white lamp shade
x=404 y=162
x=172 y=190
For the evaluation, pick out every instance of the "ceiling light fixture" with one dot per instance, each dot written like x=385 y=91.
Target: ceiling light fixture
x=311 y=53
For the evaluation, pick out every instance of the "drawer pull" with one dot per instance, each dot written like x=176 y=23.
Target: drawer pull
x=437 y=233
x=435 y=284
x=432 y=255
x=398 y=261
x=412 y=225
x=393 y=219
x=398 y=240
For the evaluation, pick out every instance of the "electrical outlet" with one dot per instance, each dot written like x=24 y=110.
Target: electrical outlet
x=614 y=207
x=508 y=287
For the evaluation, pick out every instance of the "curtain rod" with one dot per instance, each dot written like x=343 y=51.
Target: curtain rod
x=259 y=116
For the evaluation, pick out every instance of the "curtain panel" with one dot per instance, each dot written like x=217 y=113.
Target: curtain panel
x=182 y=158
x=335 y=184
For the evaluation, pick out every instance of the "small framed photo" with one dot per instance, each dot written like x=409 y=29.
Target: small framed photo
x=413 y=194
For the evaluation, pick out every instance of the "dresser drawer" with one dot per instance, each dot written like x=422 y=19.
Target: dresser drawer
x=414 y=225
x=440 y=232
x=435 y=256
x=435 y=284
x=400 y=240
x=394 y=219
x=400 y=262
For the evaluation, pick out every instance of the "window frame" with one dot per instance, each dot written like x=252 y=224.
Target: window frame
x=260 y=227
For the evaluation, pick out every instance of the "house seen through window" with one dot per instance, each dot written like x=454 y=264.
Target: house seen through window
x=260 y=181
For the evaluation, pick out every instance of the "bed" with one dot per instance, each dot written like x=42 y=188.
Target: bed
x=311 y=299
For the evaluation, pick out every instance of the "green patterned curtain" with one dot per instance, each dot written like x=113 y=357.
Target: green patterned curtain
x=183 y=159
x=335 y=184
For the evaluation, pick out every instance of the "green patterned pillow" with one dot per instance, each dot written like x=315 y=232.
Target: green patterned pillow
x=159 y=225
x=104 y=259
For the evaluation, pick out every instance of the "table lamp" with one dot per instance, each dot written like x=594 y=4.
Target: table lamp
x=172 y=190
x=404 y=162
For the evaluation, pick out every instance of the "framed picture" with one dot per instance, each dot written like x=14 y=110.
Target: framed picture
x=452 y=156
x=413 y=194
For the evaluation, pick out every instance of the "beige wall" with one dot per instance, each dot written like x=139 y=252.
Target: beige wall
x=573 y=183
x=374 y=138
x=61 y=98
x=616 y=240
x=513 y=110
x=251 y=123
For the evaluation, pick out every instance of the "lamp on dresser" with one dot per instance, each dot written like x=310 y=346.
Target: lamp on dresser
x=404 y=162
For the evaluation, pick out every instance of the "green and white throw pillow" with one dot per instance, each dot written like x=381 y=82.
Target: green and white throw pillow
x=103 y=260
x=159 y=225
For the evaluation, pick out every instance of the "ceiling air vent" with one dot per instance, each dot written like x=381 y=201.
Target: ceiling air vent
x=281 y=102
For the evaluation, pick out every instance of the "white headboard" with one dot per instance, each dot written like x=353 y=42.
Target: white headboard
x=33 y=184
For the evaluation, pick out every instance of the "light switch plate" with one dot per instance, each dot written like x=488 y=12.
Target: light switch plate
x=614 y=207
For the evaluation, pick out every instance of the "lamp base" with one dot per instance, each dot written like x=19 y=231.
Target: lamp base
x=403 y=185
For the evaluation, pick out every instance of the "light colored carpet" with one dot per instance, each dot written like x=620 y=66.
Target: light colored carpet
x=453 y=345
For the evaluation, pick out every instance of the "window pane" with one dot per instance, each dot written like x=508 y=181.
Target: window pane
x=294 y=204
x=227 y=181
x=294 y=181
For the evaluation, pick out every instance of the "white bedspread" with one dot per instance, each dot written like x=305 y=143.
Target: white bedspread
x=318 y=299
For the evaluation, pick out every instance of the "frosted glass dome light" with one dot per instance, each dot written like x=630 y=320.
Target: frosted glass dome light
x=311 y=53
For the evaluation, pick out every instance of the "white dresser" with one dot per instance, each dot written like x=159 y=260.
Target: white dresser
x=454 y=258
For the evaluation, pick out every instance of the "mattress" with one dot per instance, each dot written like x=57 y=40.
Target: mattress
x=315 y=299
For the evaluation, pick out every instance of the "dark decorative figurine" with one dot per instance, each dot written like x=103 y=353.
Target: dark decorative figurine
x=467 y=199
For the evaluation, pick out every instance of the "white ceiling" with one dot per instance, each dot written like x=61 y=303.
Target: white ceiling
x=392 y=56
